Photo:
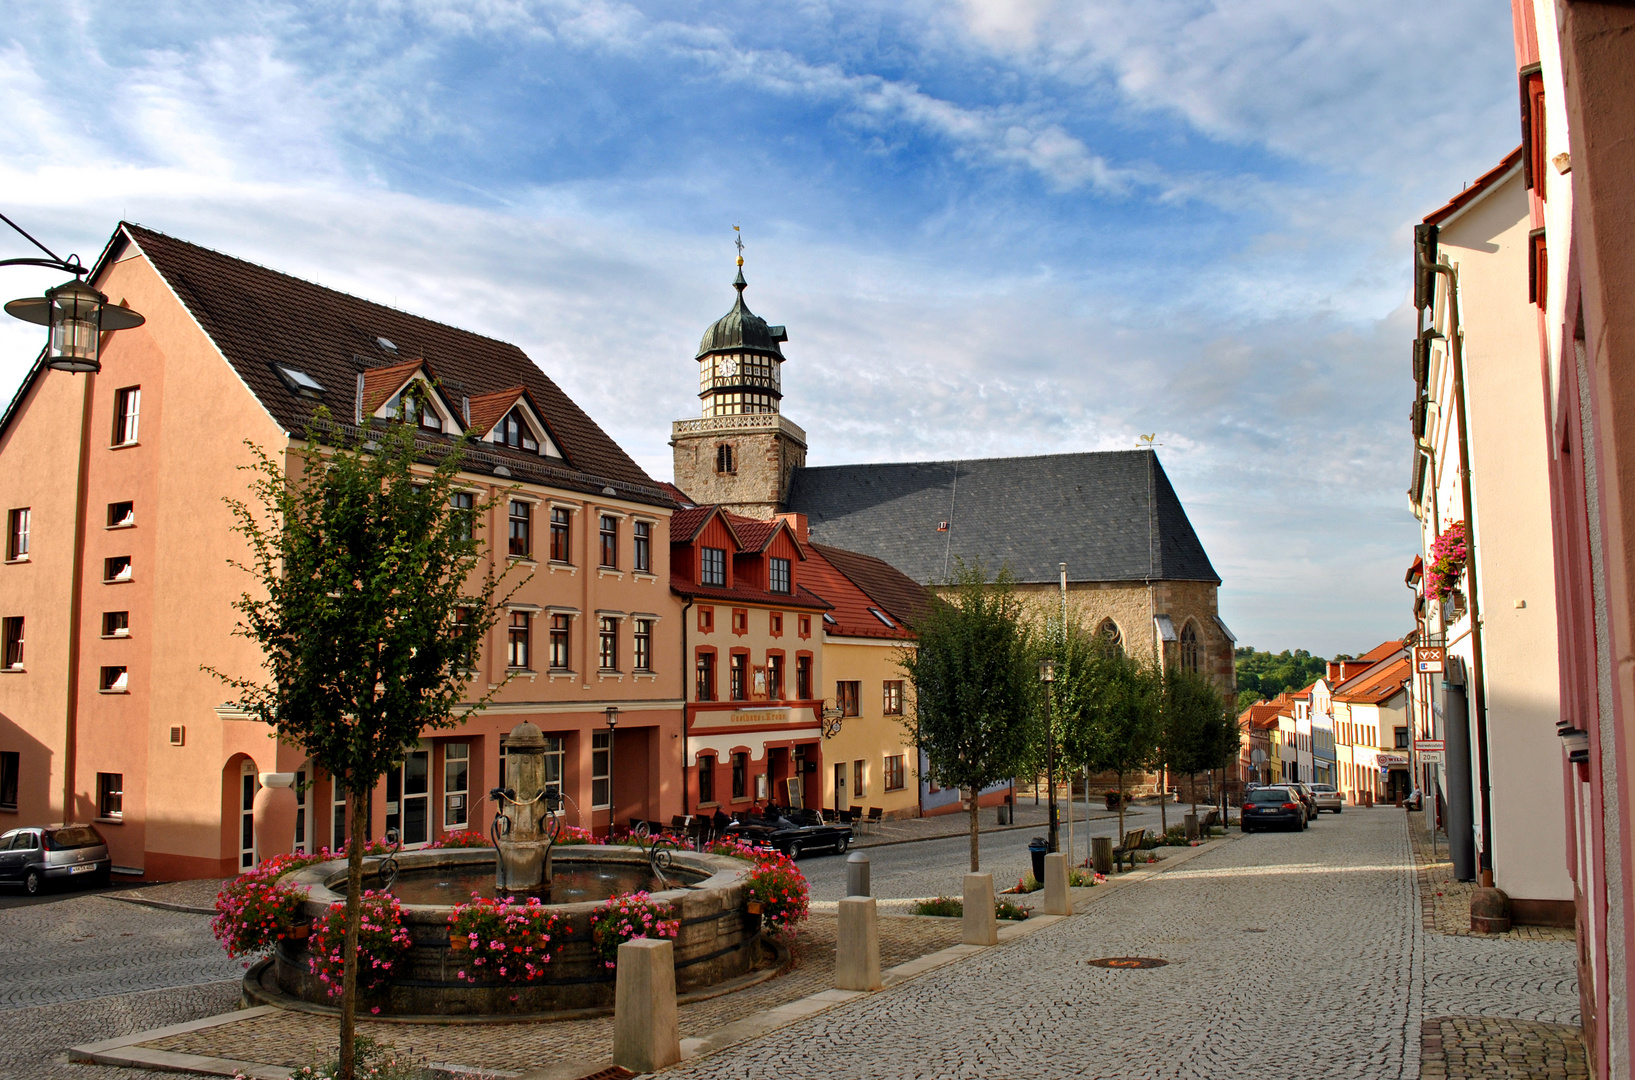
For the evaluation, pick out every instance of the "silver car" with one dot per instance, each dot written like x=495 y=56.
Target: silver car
x=43 y=853
x=1328 y=798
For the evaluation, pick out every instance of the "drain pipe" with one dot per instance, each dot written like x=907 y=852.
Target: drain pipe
x=1456 y=350
x=686 y=669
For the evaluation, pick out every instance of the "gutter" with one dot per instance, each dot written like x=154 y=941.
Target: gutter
x=686 y=713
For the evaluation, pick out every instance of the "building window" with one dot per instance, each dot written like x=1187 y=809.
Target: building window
x=430 y=418
x=456 y=779
x=561 y=546
x=735 y=676
x=704 y=685
x=610 y=540
x=896 y=776
x=464 y=506
x=1402 y=738
x=522 y=529
x=601 y=753
x=860 y=780
x=116 y=568
x=11 y=641
x=712 y=566
x=803 y=678
x=806 y=626
x=11 y=762
x=111 y=794
x=1111 y=634
x=560 y=641
x=892 y=697
x=641 y=656
x=778 y=575
x=706 y=778
x=740 y=621
x=1189 y=648
x=846 y=696
x=740 y=776
x=337 y=818
x=725 y=460
x=127 y=406
x=518 y=640
x=774 y=677
x=774 y=623
x=114 y=680
x=121 y=515
x=706 y=620
x=642 y=560
x=608 y=645
x=17 y=534
x=516 y=433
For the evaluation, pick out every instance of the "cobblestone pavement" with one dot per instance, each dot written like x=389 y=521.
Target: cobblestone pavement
x=1102 y=822
x=1285 y=947
x=37 y=1039
x=1445 y=901
x=293 y=1039
x=1461 y=1048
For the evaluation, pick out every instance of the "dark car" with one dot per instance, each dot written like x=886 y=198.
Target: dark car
x=792 y=831
x=1269 y=806
x=1308 y=797
x=39 y=854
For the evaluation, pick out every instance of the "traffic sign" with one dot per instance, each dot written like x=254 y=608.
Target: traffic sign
x=1423 y=745
x=1430 y=757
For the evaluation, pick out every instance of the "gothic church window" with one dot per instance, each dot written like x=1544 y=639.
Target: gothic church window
x=1109 y=632
x=1189 y=648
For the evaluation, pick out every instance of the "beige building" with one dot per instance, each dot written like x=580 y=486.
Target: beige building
x=119 y=587
x=1478 y=413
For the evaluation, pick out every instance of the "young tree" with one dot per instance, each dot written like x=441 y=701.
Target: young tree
x=1194 y=727
x=370 y=615
x=1115 y=729
x=973 y=686
x=1072 y=700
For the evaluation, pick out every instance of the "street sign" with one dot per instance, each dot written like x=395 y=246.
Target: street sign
x=1430 y=659
x=1257 y=757
x=1430 y=757
x=1423 y=745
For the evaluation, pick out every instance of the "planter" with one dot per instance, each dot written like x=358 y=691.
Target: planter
x=459 y=943
x=301 y=931
x=753 y=907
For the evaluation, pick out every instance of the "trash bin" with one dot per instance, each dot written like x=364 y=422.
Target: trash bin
x=1037 y=848
x=1004 y=817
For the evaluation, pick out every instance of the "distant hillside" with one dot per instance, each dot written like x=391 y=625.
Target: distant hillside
x=1266 y=675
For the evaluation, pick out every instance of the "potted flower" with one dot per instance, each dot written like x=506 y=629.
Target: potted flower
x=509 y=941
x=1449 y=554
x=254 y=912
x=778 y=892
x=625 y=917
x=383 y=943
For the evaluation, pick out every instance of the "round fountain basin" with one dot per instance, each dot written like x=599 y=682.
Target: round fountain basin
x=717 y=939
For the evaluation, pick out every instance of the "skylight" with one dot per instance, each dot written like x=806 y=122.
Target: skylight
x=878 y=614
x=830 y=619
x=300 y=381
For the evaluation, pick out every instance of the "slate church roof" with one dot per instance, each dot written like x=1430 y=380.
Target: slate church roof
x=1111 y=516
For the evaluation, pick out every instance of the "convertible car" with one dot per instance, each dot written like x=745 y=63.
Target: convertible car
x=792 y=832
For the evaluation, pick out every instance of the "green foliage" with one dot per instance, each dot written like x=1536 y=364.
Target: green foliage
x=944 y=907
x=1194 y=732
x=1267 y=675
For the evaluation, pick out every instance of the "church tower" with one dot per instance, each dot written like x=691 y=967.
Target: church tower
x=741 y=451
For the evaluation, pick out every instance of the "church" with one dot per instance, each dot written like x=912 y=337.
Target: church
x=1110 y=521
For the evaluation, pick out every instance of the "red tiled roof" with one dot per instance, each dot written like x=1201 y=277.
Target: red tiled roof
x=1416 y=569
x=687 y=523
x=489 y=409
x=1380 y=652
x=1481 y=184
x=803 y=599
x=676 y=493
x=1373 y=687
x=379 y=384
x=903 y=598
x=850 y=604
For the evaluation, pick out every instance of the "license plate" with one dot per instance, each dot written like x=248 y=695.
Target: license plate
x=83 y=868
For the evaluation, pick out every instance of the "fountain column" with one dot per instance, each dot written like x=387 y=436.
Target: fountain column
x=523 y=864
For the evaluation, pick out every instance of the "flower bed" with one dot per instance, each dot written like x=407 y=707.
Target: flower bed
x=952 y=907
x=781 y=890
x=383 y=942
x=508 y=941
x=624 y=918
x=466 y=838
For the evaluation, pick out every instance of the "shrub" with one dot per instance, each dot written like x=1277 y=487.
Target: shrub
x=1005 y=909
x=1082 y=877
x=781 y=889
x=509 y=942
x=1028 y=883
x=625 y=917
x=254 y=912
x=383 y=942
x=947 y=907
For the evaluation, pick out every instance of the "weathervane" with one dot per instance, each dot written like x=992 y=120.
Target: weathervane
x=1147 y=441
x=738 y=242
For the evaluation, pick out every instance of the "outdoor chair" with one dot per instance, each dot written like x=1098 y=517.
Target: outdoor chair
x=875 y=814
x=845 y=817
x=857 y=816
x=829 y=815
x=1132 y=844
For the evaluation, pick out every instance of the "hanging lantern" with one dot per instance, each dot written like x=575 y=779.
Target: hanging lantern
x=78 y=316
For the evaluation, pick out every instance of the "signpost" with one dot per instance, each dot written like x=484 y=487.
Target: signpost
x=1430 y=757
x=1423 y=745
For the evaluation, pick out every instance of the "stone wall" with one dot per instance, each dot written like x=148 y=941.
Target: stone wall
x=763 y=460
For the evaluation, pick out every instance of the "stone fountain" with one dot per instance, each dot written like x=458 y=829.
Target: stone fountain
x=526 y=822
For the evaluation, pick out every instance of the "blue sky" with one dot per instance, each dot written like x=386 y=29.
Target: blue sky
x=992 y=227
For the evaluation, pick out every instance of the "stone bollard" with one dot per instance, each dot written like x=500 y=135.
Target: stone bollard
x=857 y=875
x=1101 y=854
x=1056 y=895
x=979 y=925
x=857 y=946
x=645 y=1035
x=1489 y=911
x=1191 y=821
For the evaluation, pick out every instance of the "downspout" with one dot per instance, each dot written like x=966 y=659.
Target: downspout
x=1478 y=679
x=76 y=587
x=686 y=669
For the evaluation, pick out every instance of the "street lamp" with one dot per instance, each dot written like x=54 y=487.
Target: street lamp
x=76 y=314
x=612 y=712
x=1047 y=675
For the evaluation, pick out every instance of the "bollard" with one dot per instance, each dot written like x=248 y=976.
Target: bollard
x=1101 y=854
x=857 y=875
x=857 y=947
x=979 y=926
x=645 y=1035
x=1191 y=821
x=1056 y=895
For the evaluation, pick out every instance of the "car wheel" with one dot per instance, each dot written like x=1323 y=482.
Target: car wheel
x=1246 y=829
x=842 y=844
x=33 y=883
x=794 y=850
x=1339 y=810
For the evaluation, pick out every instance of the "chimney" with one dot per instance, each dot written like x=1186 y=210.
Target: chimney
x=797 y=525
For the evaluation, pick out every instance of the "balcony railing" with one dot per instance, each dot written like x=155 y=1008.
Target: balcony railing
x=740 y=423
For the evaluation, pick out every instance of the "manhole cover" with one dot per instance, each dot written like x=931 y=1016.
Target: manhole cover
x=1129 y=962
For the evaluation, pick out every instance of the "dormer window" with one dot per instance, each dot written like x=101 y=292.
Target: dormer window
x=429 y=418
x=515 y=432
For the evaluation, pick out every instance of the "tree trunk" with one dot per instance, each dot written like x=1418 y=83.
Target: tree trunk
x=1163 y=799
x=1121 y=802
x=349 y=953
x=1192 y=782
x=975 y=867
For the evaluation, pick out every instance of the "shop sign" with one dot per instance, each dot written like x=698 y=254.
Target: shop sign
x=1385 y=760
x=1430 y=659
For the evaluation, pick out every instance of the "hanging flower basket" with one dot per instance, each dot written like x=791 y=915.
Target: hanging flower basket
x=1450 y=552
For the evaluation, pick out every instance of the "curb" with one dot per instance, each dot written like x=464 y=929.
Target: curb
x=163 y=905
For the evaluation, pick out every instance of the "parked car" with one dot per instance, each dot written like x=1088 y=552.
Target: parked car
x=1328 y=798
x=1266 y=807
x=1303 y=790
x=39 y=854
x=792 y=831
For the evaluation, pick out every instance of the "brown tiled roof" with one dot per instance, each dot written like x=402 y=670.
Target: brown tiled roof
x=1380 y=652
x=685 y=524
x=1371 y=688
x=903 y=598
x=850 y=604
x=489 y=409
x=379 y=384
x=258 y=317
x=1477 y=188
x=681 y=497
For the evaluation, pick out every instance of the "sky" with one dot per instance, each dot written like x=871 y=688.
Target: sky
x=992 y=227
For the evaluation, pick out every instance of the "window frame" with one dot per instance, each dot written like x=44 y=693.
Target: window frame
x=110 y=796
x=13 y=638
x=520 y=546
x=601 y=760
x=740 y=776
x=463 y=504
x=712 y=567
x=561 y=641
x=607 y=643
x=114 y=679
x=894 y=776
x=641 y=645
x=519 y=641
x=561 y=535
x=776 y=582
x=860 y=779
x=704 y=684
x=774 y=676
x=848 y=697
x=451 y=759
x=11 y=778
x=803 y=677
x=891 y=697
x=706 y=779
x=641 y=533
x=127 y=415
x=607 y=530
x=738 y=677
x=18 y=521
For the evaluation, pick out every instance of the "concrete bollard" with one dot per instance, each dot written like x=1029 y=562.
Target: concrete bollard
x=857 y=947
x=979 y=925
x=1191 y=821
x=645 y=1034
x=1101 y=854
x=857 y=875
x=1056 y=896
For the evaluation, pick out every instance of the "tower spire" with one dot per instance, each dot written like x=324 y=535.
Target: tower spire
x=738 y=242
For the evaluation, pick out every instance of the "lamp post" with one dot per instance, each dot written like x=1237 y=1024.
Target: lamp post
x=1047 y=675
x=612 y=712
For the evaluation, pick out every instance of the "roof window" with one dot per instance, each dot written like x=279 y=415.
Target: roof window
x=878 y=614
x=830 y=620
x=299 y=381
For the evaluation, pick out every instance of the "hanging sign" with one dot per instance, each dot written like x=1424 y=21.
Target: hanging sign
x=1430 y=659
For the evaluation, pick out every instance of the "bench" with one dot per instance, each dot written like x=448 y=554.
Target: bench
x=1211 y=819
x=1131 y=845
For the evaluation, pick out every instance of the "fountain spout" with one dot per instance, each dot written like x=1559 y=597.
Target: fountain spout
x=526 y=821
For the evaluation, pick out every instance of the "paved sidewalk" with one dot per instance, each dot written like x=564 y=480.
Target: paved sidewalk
x=1445 y=900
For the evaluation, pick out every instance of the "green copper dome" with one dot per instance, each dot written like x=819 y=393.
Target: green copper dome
x=741 y=330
